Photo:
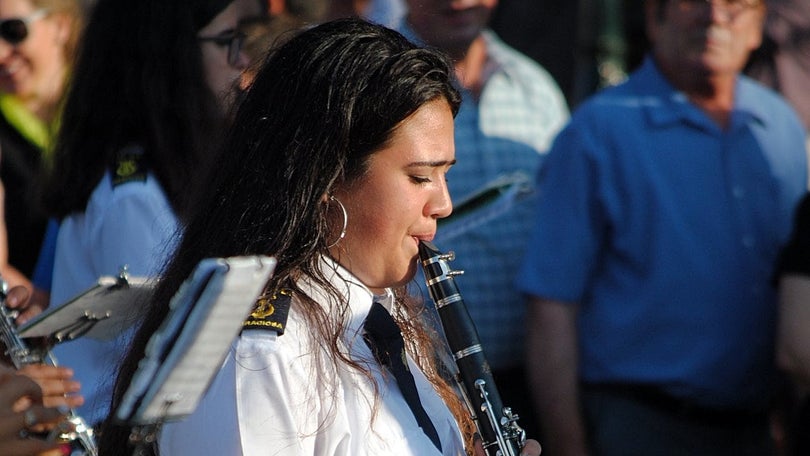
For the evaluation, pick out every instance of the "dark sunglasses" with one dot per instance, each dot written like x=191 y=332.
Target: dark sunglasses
x=233 y=39
x=15 y=30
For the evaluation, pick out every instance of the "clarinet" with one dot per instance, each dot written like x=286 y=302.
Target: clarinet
x=80 y=439
x=497 y=424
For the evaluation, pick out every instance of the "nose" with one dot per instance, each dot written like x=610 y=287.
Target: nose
x=720 y=11
x=243 y=61
x=440 y=205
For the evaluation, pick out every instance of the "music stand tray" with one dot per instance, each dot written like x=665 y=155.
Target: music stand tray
x=101 y=312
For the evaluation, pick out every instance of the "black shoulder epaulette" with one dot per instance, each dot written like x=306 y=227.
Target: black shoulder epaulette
x=130 y=166
x=270 y=312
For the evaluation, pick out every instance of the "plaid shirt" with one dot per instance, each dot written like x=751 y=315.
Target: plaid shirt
x=500 y=141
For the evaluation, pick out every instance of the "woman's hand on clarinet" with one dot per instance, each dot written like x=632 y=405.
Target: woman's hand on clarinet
x=531 y=448
x=22 y=415
x=26 y=299
x=57 y=384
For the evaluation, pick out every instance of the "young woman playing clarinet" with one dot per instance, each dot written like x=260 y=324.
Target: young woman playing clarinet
x=336 y=166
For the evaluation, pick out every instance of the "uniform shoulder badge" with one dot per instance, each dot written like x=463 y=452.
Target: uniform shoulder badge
x=130 y=166
x=270 y=312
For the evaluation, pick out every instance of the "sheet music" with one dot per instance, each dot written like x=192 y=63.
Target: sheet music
x=188 y=349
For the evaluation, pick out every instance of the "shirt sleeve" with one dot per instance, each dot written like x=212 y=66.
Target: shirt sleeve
x=569 y=223
x=278 y=410
x=43 y=271
x=253 y=407
x=137 y=229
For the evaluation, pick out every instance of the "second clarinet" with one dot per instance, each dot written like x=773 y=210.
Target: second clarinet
x=497 y=424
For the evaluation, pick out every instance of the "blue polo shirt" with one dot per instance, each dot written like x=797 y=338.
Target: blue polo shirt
x=665 y=229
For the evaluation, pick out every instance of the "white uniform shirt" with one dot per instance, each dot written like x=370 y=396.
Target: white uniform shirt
x=129 y=224
x=273 y=397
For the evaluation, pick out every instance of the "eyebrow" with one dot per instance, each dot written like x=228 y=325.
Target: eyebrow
x=432 y=164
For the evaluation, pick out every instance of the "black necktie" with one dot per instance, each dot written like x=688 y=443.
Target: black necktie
x=385 y=340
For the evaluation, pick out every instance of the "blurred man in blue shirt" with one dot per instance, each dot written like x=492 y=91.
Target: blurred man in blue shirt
x=662 y=207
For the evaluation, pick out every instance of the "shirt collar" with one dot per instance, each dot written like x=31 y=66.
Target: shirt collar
x=666 y=105
x=359 y=297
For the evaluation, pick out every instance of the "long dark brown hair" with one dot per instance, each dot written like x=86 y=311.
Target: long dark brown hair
x=139 y=79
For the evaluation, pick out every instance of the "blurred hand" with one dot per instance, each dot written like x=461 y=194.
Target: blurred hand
x=27 y=302
x=22 y=414
x=57 y=384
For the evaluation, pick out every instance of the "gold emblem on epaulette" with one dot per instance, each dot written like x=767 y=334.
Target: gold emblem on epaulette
x=126 y=167
x=264 y=308
x=129 y=166
x=270 y=312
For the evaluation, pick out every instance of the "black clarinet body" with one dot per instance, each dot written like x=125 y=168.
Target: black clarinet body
x=497 y=424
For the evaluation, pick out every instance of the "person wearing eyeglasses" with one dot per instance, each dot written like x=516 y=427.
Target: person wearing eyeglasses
x=37 y=47
x=663 y=205
x=147 y=103
x=261 y=35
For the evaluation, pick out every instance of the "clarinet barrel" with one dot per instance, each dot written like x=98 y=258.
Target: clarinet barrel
x=497 y=424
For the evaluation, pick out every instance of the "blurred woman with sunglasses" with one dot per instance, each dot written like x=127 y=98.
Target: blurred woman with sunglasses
x=147 y=101
x=38 y=39
x=37 y=47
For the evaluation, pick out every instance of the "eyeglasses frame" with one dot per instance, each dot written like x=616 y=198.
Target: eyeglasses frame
x=234 y=40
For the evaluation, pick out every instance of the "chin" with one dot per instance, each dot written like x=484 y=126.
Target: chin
x=405 y=277
x=411 y=273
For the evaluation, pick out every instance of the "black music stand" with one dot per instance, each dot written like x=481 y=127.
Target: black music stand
x=185 y=353
x=101 y=312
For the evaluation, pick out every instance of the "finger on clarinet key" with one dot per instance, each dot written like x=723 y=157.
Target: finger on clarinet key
x=531 y=448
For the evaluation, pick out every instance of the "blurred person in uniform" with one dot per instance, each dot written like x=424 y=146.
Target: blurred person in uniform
x=147 y=103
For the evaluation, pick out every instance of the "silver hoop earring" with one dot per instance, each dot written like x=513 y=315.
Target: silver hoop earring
x=345 y=222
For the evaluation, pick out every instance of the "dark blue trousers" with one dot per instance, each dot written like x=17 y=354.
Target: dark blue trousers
x=622 y=425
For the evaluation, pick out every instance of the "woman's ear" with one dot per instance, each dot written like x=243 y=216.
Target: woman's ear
x=64 y=28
